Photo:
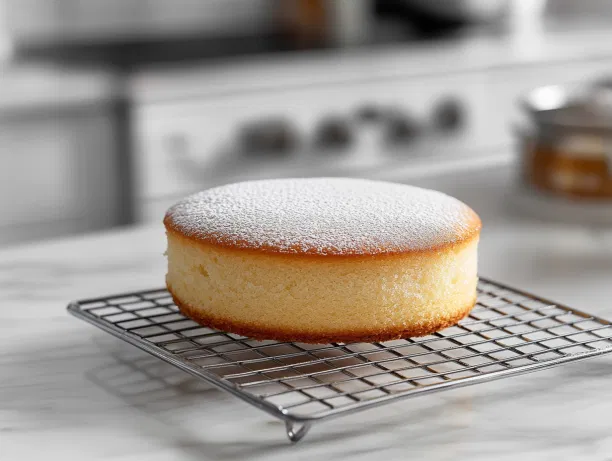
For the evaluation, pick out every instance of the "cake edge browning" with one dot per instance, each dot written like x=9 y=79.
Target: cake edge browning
x=242 y=247
x=257 y=333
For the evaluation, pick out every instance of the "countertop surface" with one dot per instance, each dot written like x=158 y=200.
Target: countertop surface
x=70 y=391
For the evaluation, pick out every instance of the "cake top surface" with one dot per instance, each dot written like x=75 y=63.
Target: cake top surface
x=324 y=216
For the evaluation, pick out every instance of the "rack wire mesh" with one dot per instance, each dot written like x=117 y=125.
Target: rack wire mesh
x=509 y=332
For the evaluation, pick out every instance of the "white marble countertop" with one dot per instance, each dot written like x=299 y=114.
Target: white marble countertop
x=70 y=391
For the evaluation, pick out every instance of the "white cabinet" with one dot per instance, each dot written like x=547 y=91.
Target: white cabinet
x=36 y=176
x=59 y=159
x=58 y=175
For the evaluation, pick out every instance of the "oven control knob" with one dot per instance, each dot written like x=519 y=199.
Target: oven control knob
x=448 y=114
x=334 y=132
x=402 y=128
x=273 y=135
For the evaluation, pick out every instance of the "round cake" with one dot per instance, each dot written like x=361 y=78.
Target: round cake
x=323 y=260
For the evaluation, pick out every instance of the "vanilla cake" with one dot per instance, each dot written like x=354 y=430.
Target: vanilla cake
x=323 y=260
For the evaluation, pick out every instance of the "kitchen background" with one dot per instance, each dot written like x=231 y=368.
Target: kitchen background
x=111 y=110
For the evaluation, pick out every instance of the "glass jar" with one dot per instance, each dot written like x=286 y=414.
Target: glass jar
x=566 y=142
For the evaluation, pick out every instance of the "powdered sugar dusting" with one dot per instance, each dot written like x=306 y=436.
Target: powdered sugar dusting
x=324 y=216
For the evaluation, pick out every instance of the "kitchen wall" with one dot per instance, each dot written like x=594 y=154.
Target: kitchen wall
x=36 y=21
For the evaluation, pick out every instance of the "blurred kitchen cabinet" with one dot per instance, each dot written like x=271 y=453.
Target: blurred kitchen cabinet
x=59 y=159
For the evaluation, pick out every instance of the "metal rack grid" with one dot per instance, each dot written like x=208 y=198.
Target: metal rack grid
x=509 y=332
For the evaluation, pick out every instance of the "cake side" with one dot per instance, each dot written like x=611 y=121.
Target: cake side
x=289 y=297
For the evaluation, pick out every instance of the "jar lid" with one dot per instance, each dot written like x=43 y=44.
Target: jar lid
x=584 y=108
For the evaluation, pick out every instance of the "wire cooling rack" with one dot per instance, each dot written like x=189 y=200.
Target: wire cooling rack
x=509 y=332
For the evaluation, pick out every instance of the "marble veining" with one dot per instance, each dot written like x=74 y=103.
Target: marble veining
x=70 y=391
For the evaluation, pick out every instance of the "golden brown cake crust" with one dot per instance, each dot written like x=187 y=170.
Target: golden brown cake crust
x=466 y=240
x=257 y=333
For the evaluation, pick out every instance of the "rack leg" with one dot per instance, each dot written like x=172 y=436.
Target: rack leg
x=296 y=432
